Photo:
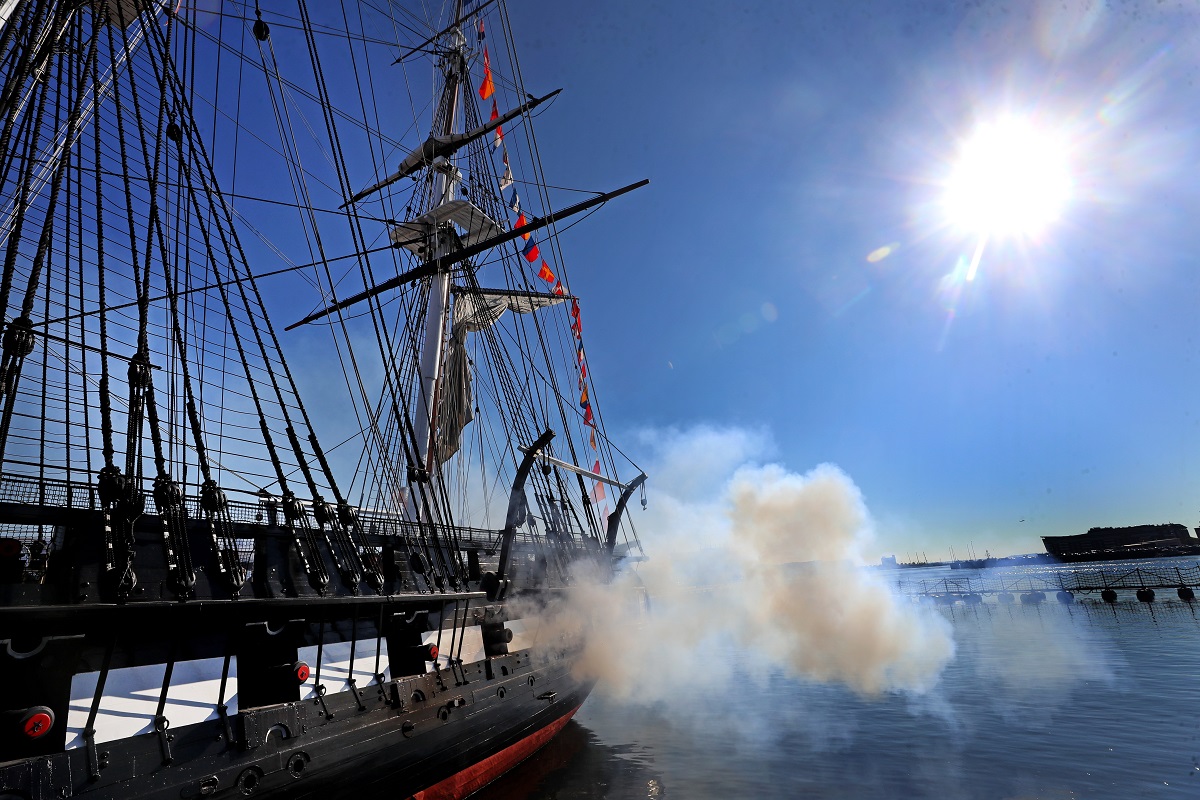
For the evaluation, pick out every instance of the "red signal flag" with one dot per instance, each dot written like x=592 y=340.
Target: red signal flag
x=487 y=88
x=531 y=251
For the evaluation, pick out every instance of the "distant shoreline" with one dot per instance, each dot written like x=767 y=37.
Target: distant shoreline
x=1029 y=559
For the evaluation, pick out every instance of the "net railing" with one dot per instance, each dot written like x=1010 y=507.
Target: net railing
x=31 y=514
x=1082 y=581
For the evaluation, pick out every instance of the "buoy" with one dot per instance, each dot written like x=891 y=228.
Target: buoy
x=972 y=599
x=1108 y=596
x=1066 y=598
x=945 y=599
x=1145 y=595
x=1004 y=598
x=301 y=671
x=1032 y=598
x=37 y=722
x=1185 y=594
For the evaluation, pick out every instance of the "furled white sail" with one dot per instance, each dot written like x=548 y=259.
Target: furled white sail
x=418 y=234
x=474 y=310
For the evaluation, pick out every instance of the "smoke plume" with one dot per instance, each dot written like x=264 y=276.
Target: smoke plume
x=753 y=560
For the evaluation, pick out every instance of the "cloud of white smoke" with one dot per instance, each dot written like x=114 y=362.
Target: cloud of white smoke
x=752 y=559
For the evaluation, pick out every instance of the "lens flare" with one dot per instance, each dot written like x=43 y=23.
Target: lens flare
x=1012 y=178
x=880 y=253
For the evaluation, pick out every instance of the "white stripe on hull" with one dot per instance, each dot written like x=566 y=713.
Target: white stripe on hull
x=131 y=694
x=335 y=666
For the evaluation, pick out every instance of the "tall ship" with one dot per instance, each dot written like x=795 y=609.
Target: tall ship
x=227 y=572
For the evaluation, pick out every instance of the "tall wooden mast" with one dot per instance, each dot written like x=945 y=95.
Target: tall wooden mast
x=446 y=176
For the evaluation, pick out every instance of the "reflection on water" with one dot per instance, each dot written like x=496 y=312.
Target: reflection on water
x=1082 y=701
x=577 y=764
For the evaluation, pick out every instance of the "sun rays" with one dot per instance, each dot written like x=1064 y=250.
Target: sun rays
x=1011 y=178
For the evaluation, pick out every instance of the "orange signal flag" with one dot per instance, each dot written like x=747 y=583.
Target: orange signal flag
x=520 y=222
x=487 y=88
x=593 y=438
x=545 y=274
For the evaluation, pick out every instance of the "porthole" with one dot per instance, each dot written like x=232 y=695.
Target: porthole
x=247 y=783
x=297 y=764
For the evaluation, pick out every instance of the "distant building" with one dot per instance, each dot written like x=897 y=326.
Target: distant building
x=888 y=561
x=1134 y=536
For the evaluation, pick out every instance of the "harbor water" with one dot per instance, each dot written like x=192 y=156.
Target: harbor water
x=1088 y=700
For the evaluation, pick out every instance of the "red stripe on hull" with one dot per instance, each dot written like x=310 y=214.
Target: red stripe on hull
x=475 y=777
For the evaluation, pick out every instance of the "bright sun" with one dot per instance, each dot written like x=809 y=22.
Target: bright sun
x=1011 y=179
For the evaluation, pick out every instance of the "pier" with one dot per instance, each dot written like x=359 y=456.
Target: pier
x=1142 y=583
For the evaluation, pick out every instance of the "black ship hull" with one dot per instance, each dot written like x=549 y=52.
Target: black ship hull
x=287 y=694
x=436 y=736
x=1126 y=554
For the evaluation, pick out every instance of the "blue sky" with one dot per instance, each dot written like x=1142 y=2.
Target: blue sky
x=787 y=142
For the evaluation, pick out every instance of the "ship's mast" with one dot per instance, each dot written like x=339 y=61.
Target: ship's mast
x=439 y=288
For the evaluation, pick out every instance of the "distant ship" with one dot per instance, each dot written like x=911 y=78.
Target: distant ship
x=1136 y=541
x=198 y=596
